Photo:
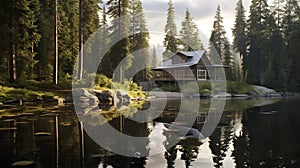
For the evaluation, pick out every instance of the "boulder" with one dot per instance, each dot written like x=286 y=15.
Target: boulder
x=221 y=95
x=84 y=97
x=105 y=96
x=122 y=98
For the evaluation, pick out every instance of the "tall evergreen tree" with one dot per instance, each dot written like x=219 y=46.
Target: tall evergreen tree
x=170 y=41
x=45 y=51
x=154 y=57
x=23 y=38
x=118 y=9
x=90 y=23
x=276 y=69
x=5 y=35
x=239 y=31
x=219 y=40
x=90 y=17
x=291 y=34
x=65 y=37
x=105 y=66
x=255 y=62
x=189 y=34
x=139 y=39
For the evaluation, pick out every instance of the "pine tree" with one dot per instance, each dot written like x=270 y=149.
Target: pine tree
x=276 y=67
x=105 y=66
x=23 y=38
x=90 y=17
x=189 y=34
x=255 y=62
x=291 y=34
x=90 y=24
x=154 y=57
x=65 y=38
x=5 y=35
x=119 y=29
x=45 y=49
x=170 y=41
x=139 y=41
x=220 y=42
x=239 y=31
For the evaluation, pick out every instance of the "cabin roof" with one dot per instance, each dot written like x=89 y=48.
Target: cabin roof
x=193 y=58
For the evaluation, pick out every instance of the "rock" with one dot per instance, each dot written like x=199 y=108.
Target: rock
x=121 y=99
x=264 y=92
x=22 y=163
x=222 y=95
x=240 y=96
x=83 y=96
x=201 y=96
x=105 y=96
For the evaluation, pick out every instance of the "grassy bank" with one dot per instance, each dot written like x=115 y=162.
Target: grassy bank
x=11 y=93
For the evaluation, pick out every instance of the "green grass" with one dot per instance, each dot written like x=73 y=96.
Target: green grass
x=11 y=93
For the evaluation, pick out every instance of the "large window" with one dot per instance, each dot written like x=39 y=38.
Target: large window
x=201 y=74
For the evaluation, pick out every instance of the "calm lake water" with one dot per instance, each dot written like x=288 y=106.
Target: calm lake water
x=251 y=133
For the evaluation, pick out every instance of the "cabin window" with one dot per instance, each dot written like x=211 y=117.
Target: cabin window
x=201 y=74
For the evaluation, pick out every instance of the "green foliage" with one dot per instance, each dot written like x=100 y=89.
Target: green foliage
x=170 y=41
x=219 y=43
x=237 y=87
x=170 y=87
x=240 y=38
x=258 y=56
x=139 y=39
x=102 y=36
x=10 y=93
x=271 y=44
x=189 y=35
x=101 y=81
x=119 y=28
x=239 y=30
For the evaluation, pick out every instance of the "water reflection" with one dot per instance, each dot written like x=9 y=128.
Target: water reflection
x=248 y=135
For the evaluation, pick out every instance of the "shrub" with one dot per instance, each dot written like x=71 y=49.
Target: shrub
x=238 y=87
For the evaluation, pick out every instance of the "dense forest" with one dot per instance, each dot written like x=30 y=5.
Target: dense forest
x=41 y=39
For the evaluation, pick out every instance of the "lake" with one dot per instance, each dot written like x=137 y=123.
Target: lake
x=260 y=132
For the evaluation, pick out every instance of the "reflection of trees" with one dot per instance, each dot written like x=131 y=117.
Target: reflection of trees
x=171 y=150
x=190 y=149
x=241 y=147
x=96 y=116
x=171 y=155
x=118 y=161
x=269 y=139
x=25 y=146
x=69 y=142
x=219 y=144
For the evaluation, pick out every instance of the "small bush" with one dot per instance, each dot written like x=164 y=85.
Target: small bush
x=237 y=87
x=102 y=81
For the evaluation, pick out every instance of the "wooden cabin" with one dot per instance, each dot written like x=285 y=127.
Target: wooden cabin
x=188 y=66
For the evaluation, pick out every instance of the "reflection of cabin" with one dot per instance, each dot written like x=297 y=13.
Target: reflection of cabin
x=188 y=66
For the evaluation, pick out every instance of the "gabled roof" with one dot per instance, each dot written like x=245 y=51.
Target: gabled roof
x=193 y=57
